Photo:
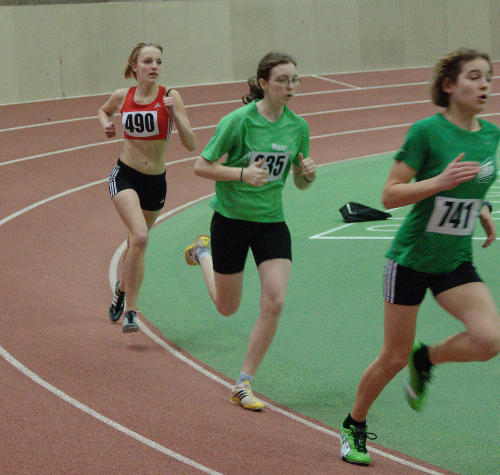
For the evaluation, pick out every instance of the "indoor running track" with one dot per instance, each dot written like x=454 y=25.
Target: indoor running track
x=79 y=396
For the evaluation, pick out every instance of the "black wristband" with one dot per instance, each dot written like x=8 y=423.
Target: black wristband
x=241 y=174
x=488 y=204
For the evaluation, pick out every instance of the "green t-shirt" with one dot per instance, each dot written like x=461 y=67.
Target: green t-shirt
x=246 y=137
x=436 y=235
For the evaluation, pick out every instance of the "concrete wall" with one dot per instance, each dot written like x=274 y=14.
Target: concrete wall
x=61 y=50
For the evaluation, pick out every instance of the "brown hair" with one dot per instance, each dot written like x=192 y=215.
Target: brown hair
x=449 y=66
x=132 y=59
x=266 y=64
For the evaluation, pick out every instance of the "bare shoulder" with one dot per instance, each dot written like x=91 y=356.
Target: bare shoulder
x=120 y=93
x=115 y=101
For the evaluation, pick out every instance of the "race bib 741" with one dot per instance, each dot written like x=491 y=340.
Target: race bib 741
x=455 y=216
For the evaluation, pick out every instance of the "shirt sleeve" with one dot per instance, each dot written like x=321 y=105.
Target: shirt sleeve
x=223 y=139
x=415 y=147
x=304 y=146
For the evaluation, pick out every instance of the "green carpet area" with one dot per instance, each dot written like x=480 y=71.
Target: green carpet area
x=331 y=328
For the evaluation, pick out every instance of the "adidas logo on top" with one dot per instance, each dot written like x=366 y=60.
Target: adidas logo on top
x=157 y=105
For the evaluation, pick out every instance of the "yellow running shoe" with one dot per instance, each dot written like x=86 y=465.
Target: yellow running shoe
x=242 y=394
x=201 y=241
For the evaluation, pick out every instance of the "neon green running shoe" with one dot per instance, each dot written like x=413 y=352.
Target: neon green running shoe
x=416 y=387
x=353 y=445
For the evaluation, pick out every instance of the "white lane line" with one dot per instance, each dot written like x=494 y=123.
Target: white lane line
x=361 y=108
x=56 y=152
x=238 y=101
x=112 y=277
x=335 y=81
x=100 y=417
x=65 y=397
x=47 y=200
x=332 y=111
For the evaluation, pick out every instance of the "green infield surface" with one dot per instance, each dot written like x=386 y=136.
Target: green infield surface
x=331 y=327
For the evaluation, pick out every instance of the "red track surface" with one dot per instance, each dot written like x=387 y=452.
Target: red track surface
x=61 y=357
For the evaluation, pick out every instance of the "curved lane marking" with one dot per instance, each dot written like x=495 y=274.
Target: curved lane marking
x=113 y=268
x=112 y=277
x=97 y=415
x=65 y=397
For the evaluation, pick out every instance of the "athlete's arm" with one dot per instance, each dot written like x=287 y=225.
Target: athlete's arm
x=488 y=225
x=175 y=107
x=398 y=191
x=108 y=109
x=304 y=175
x=252 y=175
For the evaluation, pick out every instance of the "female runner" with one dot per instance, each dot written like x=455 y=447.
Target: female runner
x=137 y=183
x=452 y=157
x=262 y=140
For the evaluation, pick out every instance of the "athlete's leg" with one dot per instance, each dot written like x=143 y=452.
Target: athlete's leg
x=225 y=290
x=224 y=278
x=274 y=277
x=475 y=307
x=399 y=333
x=138 y=223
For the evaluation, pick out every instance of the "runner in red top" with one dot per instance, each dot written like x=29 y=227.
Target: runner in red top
x=137 y=183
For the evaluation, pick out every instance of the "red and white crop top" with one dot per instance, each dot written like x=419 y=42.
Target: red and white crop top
x=146 y=121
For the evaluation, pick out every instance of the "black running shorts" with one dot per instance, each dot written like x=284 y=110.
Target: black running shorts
x=151 y=189
x=231 y=239
x=406 y=286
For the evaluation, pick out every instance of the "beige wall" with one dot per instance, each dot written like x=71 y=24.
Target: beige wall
x=62 y=50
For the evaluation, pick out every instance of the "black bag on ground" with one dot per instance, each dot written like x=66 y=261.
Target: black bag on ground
x=356 y=212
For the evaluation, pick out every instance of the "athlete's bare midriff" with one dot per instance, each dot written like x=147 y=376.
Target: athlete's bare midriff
x=145 y=156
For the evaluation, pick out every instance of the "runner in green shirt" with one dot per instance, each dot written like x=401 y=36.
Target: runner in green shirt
x=262 y=141
x=444 y=168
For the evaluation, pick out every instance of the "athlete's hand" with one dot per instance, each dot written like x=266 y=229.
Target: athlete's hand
x=109 y=129
x=254 y=175
x=168 y=102
x=457 y=172
x=488 y=225
x=307 y=167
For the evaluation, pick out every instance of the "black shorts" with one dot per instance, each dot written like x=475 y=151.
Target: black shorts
x=231 y=239
x=151 y=189
x=406 y=286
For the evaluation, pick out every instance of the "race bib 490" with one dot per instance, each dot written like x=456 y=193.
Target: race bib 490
x=140 y=123
x=455 y=216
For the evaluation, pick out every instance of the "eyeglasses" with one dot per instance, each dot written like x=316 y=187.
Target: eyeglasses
x=286 y=81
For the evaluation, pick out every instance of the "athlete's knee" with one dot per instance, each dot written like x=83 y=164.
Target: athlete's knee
x=488 y=347
x=272 y=305
x=393 y=362
x=139 y=240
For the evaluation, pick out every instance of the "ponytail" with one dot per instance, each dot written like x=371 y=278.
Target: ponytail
x=256 y=91
x=266 y=64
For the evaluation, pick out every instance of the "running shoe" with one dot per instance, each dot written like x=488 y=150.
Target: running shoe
x=416 y=387
x=353 y=445
x=117 y=305
x=242 y=394
x=201 y=242
x=129 y=322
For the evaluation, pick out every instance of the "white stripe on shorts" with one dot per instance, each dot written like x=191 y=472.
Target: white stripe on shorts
x=391 y=269
x=112 y=180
